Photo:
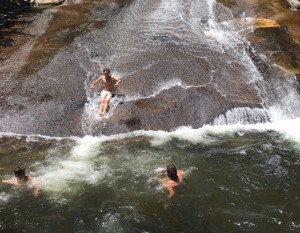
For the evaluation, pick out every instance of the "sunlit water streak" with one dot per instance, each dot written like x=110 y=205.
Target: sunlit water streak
x=295 y=4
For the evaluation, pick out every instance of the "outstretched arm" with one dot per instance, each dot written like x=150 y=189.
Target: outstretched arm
x=9 y=181
x=118 y=81
x=95 y=82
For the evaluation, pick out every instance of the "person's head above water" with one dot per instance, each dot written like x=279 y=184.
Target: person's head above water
x=19 y=172
x=172 y=172
x=106 y=71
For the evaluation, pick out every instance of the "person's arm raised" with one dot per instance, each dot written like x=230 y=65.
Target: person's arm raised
x=95 y=82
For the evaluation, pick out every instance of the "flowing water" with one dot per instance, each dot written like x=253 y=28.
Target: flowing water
x=238 y=178
x=241 y=171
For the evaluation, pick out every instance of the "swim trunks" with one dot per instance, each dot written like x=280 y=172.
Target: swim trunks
x=106 y=94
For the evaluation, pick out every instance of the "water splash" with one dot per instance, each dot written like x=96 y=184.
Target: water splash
x=243 y=116
x=77 y=166
x=295 y=4
x=4 y=197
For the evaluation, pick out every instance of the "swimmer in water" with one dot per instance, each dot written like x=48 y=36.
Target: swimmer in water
x=175 y=177
x=21 y=179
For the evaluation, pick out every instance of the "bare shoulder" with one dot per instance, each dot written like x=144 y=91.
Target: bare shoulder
x=180 y=175
x=170 y=184
x=31 y=179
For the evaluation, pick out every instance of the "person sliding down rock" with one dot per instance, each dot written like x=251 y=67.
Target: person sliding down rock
x=109 y=84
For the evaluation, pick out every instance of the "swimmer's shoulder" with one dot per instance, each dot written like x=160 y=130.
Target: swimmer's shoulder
x=180 y=175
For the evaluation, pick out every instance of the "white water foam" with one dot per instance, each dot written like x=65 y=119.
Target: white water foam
x=162 y=86
x=71 y=1
x=77 y=166
x=288 y=128
x=4 y=197
x=295 y=4
x=65 y=173
x=243 y=116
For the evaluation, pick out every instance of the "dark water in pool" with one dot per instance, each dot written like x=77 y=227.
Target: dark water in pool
x=237 y=179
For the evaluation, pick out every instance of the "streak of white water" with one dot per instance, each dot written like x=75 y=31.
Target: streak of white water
x=243 y=116
x=295 y=4
x=279 y=94
x=64 y=173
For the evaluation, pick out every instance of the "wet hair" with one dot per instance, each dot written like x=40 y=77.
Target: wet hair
x=106 y=70
x=172 y=173
x=19 y=171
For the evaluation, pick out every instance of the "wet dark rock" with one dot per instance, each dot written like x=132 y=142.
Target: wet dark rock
x=133 y=124
x=45 y=91
x=7 y=5
x=167 y=111
x=278 y=45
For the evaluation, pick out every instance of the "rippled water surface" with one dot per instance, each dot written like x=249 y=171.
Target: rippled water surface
x=238 y=178
x=179 y=61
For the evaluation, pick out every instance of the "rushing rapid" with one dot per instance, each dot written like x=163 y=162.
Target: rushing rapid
x=238 y=177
